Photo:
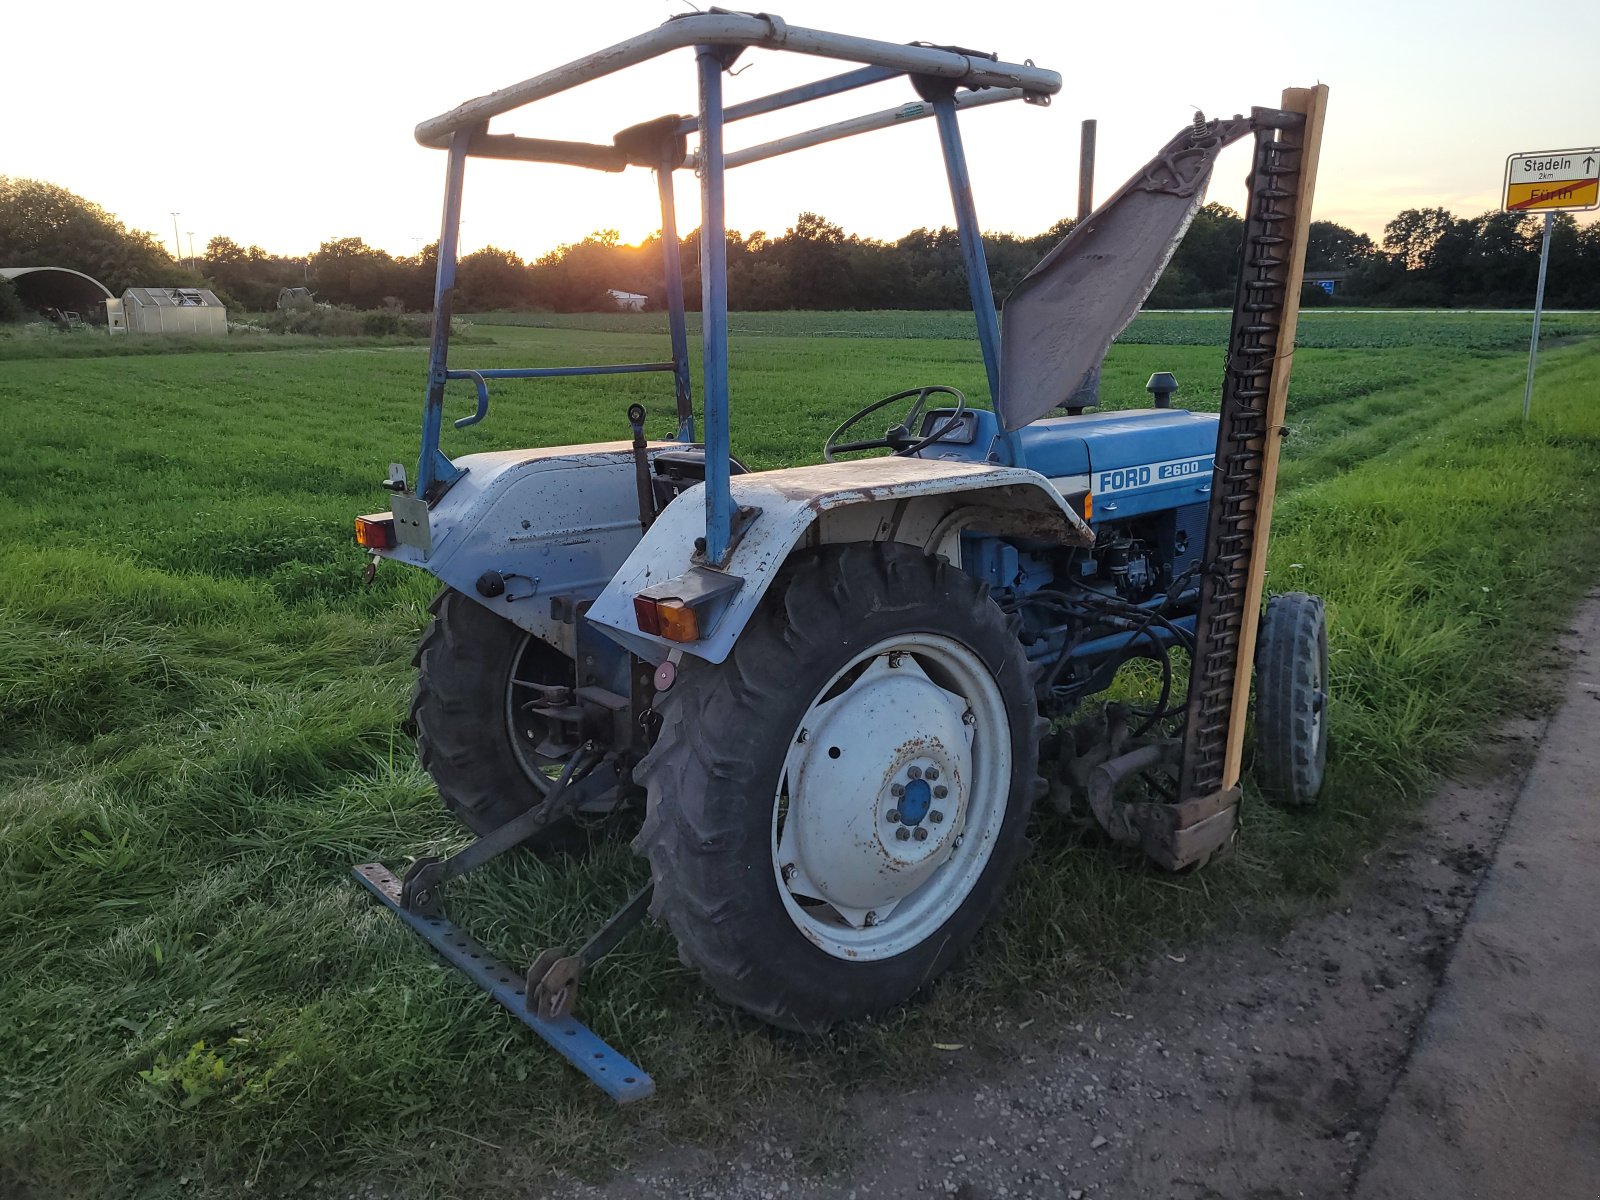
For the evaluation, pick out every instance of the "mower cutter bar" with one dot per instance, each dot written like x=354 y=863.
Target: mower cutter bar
x=619 y=1078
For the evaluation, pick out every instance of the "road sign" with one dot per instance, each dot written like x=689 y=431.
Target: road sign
x=1553 y=181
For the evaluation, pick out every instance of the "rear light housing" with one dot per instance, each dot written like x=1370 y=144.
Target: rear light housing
x=375 y=531
x=687 y=608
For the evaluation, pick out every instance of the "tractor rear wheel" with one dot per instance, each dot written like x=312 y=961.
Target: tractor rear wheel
x=1292 y=699
x=836 y=809
x=473 y=670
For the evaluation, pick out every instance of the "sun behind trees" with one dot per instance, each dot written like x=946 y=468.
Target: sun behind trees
x=1428 y=257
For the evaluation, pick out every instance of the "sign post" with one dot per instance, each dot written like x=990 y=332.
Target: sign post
x=1551 y=181
x=1538 y=311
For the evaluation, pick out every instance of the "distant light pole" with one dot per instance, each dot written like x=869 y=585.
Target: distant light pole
x=176 y=244
x=191 y=249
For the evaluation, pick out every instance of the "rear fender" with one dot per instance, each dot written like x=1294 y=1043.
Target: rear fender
x=923 y=502
x=554 y=523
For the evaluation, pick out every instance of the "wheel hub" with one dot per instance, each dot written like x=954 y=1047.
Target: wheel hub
x=877 y=790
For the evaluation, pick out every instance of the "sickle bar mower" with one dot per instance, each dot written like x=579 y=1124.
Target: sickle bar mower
x=835 y=692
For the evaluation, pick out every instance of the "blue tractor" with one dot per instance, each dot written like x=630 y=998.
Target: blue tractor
x=837 y=691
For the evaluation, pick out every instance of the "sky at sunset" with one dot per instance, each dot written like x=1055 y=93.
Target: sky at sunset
x=289 y=123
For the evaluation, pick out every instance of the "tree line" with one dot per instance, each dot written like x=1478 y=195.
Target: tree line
x=1425 y=258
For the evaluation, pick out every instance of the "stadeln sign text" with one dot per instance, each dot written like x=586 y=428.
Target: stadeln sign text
x=1553 y=181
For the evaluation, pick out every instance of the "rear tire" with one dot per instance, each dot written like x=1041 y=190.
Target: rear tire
x=872 y=650
x=464 y=726
x=1291 y=699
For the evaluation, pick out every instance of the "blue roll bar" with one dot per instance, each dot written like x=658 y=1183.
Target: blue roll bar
x=714 y=306
x=434 y=470
x=677 y=320
x=717 y=38
x=972 y=255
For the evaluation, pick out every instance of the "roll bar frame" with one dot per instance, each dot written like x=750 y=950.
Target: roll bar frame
x=718 y=38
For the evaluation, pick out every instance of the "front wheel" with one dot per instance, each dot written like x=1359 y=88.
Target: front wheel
x=1292 y=699
x=836 y=809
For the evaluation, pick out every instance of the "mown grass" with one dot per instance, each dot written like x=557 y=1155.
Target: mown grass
x=201 y=713
x=96 y=344
x=1319 y=328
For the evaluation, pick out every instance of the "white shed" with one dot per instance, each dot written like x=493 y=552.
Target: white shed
x=174 y=310
x=627 y=301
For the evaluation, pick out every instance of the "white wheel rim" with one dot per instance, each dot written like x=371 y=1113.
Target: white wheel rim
x=859 y=878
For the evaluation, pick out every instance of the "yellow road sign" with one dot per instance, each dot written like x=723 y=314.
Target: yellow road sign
x=1553 y=181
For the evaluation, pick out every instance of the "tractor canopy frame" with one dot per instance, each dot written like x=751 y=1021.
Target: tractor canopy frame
x=717 y=38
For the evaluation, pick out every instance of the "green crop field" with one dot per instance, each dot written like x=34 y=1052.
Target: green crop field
x=200 y=730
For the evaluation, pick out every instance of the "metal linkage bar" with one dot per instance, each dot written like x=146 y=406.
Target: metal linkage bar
x=480 y=380
x=1256 y=350
x=562 y=372
x=832 y=86
x=619 y=1077
x=915 y=110
x=420 y=891
x=729 y=30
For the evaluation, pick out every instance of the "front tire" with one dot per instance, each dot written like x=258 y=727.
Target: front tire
x=873 y=678
x=1292 y=699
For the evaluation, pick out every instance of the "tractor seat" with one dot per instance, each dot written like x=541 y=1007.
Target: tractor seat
x=676 y=471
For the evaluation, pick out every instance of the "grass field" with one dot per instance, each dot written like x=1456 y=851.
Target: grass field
x=201 y=731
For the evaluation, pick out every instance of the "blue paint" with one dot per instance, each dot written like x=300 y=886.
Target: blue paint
x=483 y=397
x=916 y=801
x=972 y=256
x=672 y=269
x=479 y=377
x=714 y=306
x=433 y=468
x=618 y=1077
x=832 y=86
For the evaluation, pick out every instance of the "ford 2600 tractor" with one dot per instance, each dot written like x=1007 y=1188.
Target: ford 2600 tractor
x=826 y=687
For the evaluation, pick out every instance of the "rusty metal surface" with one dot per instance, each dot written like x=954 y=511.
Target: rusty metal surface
x=789 y=502
x=1060 y=320
x=1101 y=757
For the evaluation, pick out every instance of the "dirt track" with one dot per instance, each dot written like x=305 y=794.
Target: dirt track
x=1266 y=1068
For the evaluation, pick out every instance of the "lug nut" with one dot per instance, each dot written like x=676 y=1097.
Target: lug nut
x=902 y=834
x=872 y=919
x=936 y=816
x=940 y=792
x=969 y=717
x=897 y=791
x=804 y=734
x=895 y=658
x=788 y=872
x=956 y=845
x=894 y=816
x=921 y=834
x=914 y=773
x=931 y=774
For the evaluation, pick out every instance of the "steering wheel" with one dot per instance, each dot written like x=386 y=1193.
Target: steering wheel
x=898 y=438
